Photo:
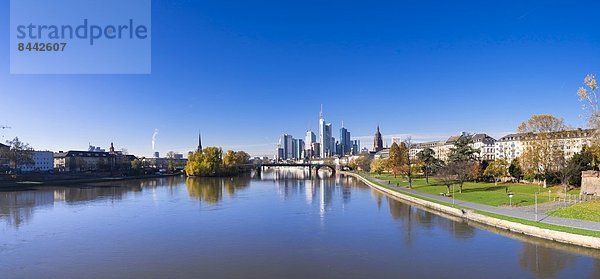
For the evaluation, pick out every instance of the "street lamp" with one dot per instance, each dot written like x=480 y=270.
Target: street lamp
x=536 y=207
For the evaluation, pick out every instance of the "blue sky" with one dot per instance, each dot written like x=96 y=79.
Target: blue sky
x=244 y=72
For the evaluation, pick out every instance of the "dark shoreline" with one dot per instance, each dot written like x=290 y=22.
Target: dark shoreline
x=76 y=181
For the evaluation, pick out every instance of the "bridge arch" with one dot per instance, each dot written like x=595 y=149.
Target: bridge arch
x=332 y=168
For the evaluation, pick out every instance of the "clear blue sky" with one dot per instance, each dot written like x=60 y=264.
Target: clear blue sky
x=246 y=72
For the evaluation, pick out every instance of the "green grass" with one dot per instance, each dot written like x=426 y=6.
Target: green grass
x=481 y=192
x=508 y=218
x=589 y=211
x=542 y=225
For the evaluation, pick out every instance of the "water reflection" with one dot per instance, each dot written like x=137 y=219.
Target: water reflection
x=352 y=238
x=210 y=189
x=18 y=207
x=544 y=261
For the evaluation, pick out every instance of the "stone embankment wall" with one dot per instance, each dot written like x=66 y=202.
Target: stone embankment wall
x=563 y=237
x=590 y=182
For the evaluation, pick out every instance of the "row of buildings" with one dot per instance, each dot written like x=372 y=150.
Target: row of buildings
x=510 y=146
x=94 y=159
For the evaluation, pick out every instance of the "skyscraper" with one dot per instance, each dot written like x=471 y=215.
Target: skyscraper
x=345 y=143
x=309 y=139
x=378 y=141
x=355 y=147
x=286 y=143
x=324 y=136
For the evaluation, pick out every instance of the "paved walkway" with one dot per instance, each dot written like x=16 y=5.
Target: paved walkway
x=526 y=213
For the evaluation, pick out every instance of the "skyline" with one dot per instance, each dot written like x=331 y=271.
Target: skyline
x=244 y=76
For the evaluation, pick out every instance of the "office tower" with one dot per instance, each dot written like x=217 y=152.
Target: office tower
x=345 y=142
x=309 y=139
x=287 y=142
x=299 y=149
x=355 y=147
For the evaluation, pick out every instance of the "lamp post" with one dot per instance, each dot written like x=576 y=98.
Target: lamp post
x=510 y=195
x=536 y=207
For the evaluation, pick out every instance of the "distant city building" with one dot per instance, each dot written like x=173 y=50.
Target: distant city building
x=484 y=143
x=92 y=148
x=81 y=161
x=42 y=161
x=309 y=139
x=325 y=136
x=156 y=154
x=4 y=163
x=355 y=147
x=345 y=142
x=316 y=147
x=299 y=149
x=287 y=142
x=486 y=146
x=378 y=141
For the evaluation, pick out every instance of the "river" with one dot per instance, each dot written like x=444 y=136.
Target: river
x=283 y=224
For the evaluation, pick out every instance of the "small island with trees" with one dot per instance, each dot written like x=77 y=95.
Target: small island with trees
x=211 y=162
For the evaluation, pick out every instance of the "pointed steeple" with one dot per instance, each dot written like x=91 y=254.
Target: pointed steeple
x=112 y=148
x=199 y=141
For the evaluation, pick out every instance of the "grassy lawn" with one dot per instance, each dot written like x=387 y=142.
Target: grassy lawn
x=532 y=188
x=589 y=211
x=482 y=192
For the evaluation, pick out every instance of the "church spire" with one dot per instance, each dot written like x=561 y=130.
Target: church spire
x=199 y=141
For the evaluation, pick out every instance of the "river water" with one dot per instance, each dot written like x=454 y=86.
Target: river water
x=282 y=224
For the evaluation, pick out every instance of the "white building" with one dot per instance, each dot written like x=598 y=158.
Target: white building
x=569 y=142
x=42 y=161
x=442 y=149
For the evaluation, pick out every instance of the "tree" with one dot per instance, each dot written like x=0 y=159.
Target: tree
x=362 y=163
x=396 y=160
x=497 y=169
x=171 y=161
x=515 y=169
x=446 y=176
x=588 y=95
x=461 y=160
x=18 y=153
x=427 y=157
x=582 y=161
x=136 y=166
x=542 y=153
x=378 y=166
x=405 y=152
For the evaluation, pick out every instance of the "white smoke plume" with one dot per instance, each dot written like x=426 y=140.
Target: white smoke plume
x=154 y=138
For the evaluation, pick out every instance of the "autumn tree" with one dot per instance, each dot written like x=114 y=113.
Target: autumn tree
x=405 y=148
x=378 y=166
x=542 y=152
x=362 y=163
x=396 y=161
x=497 y=169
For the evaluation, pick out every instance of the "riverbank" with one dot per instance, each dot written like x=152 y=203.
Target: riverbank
x=564 y=234
x=77 y=181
